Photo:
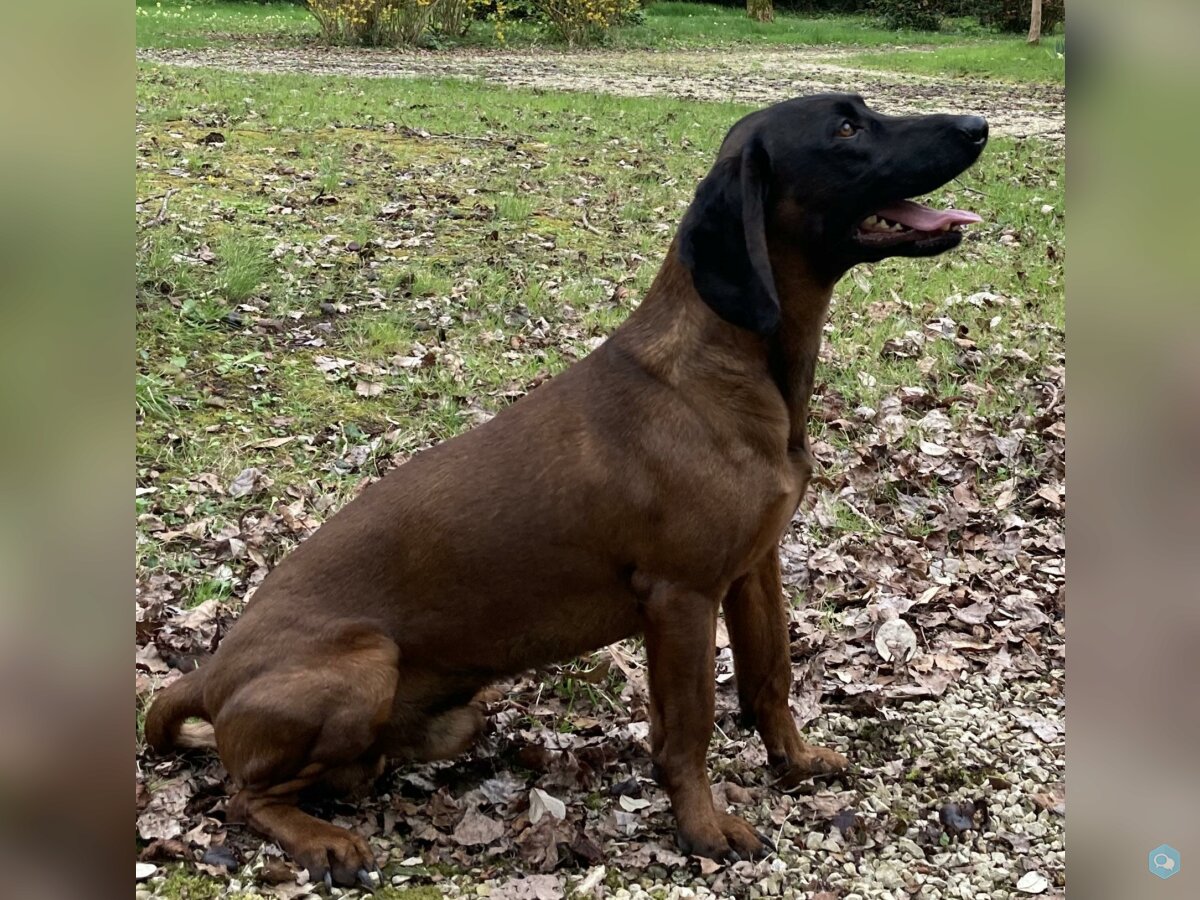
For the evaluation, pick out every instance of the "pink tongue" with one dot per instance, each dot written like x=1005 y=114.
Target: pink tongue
x=922 y=218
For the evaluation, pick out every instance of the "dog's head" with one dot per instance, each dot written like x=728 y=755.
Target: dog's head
x=829 y=179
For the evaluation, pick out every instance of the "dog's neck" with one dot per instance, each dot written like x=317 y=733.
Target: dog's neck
x=794 y=348
x=680 y=340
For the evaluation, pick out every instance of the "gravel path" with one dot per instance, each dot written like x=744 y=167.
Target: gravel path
x=750 y=76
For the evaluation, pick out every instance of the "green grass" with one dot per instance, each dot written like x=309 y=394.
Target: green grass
x=1006 y=60
x=242 y=265
x=961 y=48
x=150 y=398
x=516 y=208
x=181 y=883
x=204 y=23
x=478 y=254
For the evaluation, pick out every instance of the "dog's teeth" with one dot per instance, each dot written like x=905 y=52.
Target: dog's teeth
x=945 y=227
x=874 y=223
x=896 y=226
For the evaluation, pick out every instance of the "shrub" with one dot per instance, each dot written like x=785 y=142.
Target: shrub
x=403 y=22
x=389 y=22
x=918 y=15
x=509 y=10
x=581 y=21
x=453 y=17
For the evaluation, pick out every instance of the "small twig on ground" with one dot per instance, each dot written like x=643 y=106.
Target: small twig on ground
x=786 y=819
x=403 y=130
x=152 y=198
x=588 y=225
x=862 y=515
x=1057 y=130
x=1054 y=393
x=722 y=733
x=968 y=190
x=474 y=139
x=162 y=212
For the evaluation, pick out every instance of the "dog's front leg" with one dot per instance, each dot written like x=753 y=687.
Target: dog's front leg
x=680 y=629
x=757 y=620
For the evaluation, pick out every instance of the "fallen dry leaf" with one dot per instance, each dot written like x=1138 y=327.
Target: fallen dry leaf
x=476 y=829
x=896 y=641
x=248 y=481
x=163 y=816
x=1054 y=800
x=541 y=804
x=1032 y=883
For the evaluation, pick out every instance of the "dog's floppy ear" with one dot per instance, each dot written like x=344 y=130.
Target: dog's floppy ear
x=723 y=241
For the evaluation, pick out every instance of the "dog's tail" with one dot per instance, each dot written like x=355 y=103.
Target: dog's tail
x=183 y=699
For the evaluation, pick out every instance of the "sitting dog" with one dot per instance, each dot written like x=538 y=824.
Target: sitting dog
x=639 y=492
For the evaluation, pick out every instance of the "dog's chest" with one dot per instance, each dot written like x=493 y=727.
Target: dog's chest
x=722 y=525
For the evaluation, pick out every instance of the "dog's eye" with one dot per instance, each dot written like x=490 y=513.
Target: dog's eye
x=847 y=129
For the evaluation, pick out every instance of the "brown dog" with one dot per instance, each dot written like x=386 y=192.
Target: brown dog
x=638 y=492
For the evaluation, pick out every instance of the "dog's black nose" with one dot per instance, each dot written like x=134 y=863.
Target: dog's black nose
x=975 y=128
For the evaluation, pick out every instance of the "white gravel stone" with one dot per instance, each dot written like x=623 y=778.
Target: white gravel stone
x=887 y=875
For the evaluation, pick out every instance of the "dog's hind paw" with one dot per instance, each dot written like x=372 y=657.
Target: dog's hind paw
x=337 y=857
x=808 y=763
x=363 y=877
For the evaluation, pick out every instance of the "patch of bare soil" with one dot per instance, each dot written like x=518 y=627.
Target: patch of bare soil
x=747 y=76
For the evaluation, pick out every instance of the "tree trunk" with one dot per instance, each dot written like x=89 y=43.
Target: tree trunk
x=760 y=10
x=1035 y=22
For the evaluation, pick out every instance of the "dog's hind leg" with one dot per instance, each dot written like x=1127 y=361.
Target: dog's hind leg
x=416 y=734
x=757 y=621
x=450 y=733
x=311 y=725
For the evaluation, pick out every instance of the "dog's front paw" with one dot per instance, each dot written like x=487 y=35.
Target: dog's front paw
x=808 y=763
x=725 y=838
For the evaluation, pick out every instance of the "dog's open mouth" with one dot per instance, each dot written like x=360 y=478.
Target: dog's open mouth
x=907 y=222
